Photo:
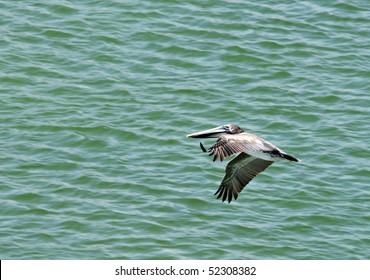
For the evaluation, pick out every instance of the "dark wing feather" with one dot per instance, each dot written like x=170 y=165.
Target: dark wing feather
x=239 y=172
x=230 y=144
x=224 y=148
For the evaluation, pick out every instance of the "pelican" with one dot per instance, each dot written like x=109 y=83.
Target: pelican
x=255 y=155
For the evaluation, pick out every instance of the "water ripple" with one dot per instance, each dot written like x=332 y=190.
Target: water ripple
x=97 y=99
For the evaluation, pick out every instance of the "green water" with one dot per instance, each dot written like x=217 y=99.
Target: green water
x=96 y=100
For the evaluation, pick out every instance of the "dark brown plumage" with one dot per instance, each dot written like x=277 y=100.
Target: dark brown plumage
x=255 y=155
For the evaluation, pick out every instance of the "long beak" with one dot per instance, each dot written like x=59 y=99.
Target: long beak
x=209 y=133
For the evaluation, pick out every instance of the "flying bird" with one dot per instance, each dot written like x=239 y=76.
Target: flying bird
x=255 y=155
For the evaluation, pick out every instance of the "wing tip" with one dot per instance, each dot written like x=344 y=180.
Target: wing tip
x=226 y=194
x=202 y=147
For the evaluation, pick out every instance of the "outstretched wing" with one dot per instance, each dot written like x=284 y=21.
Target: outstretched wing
x=230 y=144
x=239 y=172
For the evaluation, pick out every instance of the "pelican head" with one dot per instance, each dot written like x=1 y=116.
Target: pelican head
x=217 y=131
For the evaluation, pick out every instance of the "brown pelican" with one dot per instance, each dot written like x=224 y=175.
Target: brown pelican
x=255 y=155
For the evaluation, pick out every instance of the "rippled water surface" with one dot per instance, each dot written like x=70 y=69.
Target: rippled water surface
x=96 y=100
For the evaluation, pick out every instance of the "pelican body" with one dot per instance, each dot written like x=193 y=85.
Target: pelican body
x=255 y=155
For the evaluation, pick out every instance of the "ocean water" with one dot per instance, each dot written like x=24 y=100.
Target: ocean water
x=97 y=98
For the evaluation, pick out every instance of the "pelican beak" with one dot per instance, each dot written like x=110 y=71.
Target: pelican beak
x=209 y=133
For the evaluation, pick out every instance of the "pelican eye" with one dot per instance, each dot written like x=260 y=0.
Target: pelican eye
x=227 y=128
